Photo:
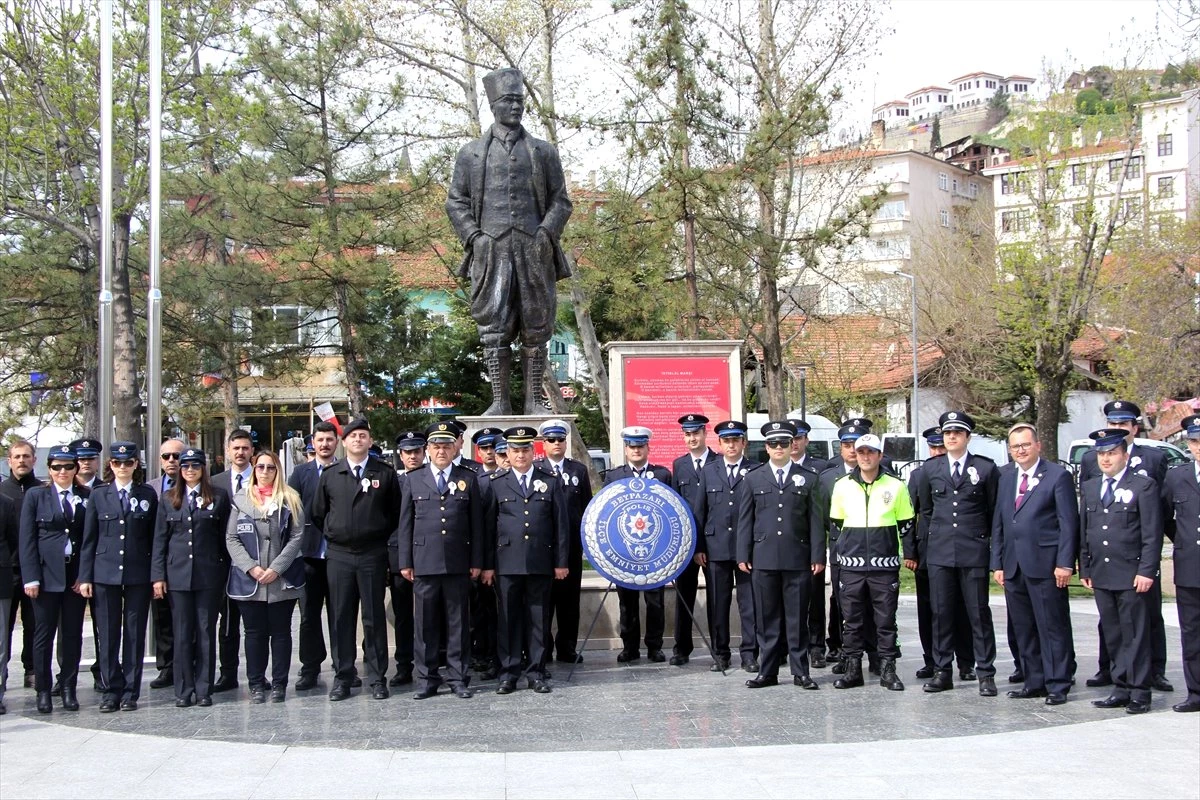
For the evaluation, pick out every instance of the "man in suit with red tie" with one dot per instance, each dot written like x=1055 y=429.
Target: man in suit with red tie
x=1181 y=496
x=1034 y=532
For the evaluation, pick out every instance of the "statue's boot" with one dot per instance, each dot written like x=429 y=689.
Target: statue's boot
x=533 y=366
x=499 y=367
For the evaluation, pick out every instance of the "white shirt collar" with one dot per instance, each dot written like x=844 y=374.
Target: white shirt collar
x=1116 y=479
x=353 y=464
x=126 y=488
x=524 y=474
x=435 y=471
x=555 y=464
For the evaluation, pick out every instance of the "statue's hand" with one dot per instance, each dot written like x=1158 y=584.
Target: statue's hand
x=479 y=248
x=545 y=245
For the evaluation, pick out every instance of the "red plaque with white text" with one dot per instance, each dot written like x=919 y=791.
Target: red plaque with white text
x=658 y=391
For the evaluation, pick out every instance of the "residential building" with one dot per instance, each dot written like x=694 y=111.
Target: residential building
x=929 y=101
x=891 y=113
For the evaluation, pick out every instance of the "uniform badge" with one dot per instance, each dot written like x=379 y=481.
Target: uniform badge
x=1133 y=462
x=462 y=486
x=638 y=533
x=375 y=483
x=574 y=480
x=798 y=480
x=1123 y=496
x=366 y=484
x=451 y=488
x=887 y=497
x=145 y=505
x=973 y=474
x=540 y=486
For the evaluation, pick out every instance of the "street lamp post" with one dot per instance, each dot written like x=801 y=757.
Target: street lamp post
x=916 y=426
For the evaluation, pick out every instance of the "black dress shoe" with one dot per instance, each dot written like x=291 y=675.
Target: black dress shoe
x=97 y=687
x=45 y=702
x=340 y=691
x=1159 y=683
x=1112 y=701
x=1025 y=693
x=656 y=656
x=719 y=665
x=258 y=695
x=839 y=668
x=750 y=666
x=225 y=682
x=129 y=704
x=967 y=674
x=925 y=673
x=380 y=692
x=506 y=687
x=278 y=693
x=184 y=702
x=817 y=660
x=540 y=686
x=462 y=692
x=987 y=687
x=940 y=682
x=108 y=705
x=804 y=682
x=761 y=681
x=625 y=656
x=1100 y=679
x=356 y=683
x=204 y=702
x=1017 y=677
x=678 y=661
x=1136 y=707
x=1187 y=707
x=425 y=692
x=306 y=681
x=399 y=679
x=571 y=658
x=1055 y=699
x=873 y=666
x=70 y=701
x=164 y=679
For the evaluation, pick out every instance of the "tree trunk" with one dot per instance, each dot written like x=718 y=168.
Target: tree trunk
x=349 y=349
x=1047 y=400
x=590 y=344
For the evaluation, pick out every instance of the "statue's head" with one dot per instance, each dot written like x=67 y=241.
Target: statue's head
x=506 y=95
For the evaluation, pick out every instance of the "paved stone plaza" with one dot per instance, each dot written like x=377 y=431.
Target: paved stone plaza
x=646 y=730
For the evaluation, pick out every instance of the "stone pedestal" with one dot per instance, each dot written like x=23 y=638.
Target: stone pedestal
x=504 y=423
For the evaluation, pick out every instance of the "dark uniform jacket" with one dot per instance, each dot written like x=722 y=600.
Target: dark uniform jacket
x=189 y=548
x=577 y=490
x=304 y=481
x=1125 y=539
x=686 y=480
x=354 y=519
x=440 y=534
x=826 y=479
x=780 y=529
x=10 y=567
x=958 y=516
x=531 y=535
x=117 y=540
x=10 y=524
x=1181 y=496
x=44 y=535
x=716 y=518
x=1044 y=532
x=1148 y=461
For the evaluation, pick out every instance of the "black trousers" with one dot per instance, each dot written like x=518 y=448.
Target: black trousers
x=816 y=614
x=1125 y=621
x=194 y=618
x=871 y=595
x=442 y=625
x=122 y=615
x=1157 y=635
x=687 y=584
x=523 y=610
x=314 y=601
x=483 y=623
x=631 y=618
x=268 y=633
x=229 y=635
x=723 y=577
x=836 y=617
x=359 y=579
x=22 y=604
x=1039 y=614
x=1188 y=600
x=953 y=593
x=781 y=599
x=402 y=614
x=564 y=604
x=162 y=624
x=963 y=650
x=57 y=614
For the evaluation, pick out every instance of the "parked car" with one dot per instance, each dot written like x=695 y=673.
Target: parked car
x=1175 y=456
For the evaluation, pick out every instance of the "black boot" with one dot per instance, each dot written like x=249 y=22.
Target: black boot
x=69 y=701
x=44 y=706
x=853 y=676
x=887 y=678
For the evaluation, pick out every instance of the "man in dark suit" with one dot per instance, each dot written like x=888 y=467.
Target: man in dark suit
x=781 y=545
x=484 y=655
x=439 y=547
x=637 y=465
x=357 y=506
x=9 y=545
x=20 y=479
x=957 y=498
x=508 y=204
x=577 y=491
x=816 y=597
x=239 y=448
x=1034 y=532
x=118 y=537
x=1151 y=463
x=685 y=479
x=1120 y=515
x=160 y=608
x=1181 y=497
x=304 y=480
x=527 y=512
x=716 y=548
x=410 y=445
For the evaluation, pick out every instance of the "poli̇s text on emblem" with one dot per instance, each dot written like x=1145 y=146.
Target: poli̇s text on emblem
x=638 y=533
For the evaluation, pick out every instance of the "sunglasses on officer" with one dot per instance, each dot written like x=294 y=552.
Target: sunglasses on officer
x=553 y=439
x=62 y=467
x=775 y=444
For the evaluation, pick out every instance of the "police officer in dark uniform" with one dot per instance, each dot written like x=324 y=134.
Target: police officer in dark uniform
x=484 y=656
x=716 y=547
x=637 y=465
x=484 y=440
x=526 y=509
x=577 y=490
x=410 y=445
x=1152 y=463
x=52 y=520
x=358 y=507
x=781 y=544
x=191 y=563
x=816 y=597
x=1120 y=517
x=89 y=449
x=863 y=425
x=1181 y=496
x=118 y=536
x=440 y=546
x=957 y=498
x=460 y=460
x=685 y=479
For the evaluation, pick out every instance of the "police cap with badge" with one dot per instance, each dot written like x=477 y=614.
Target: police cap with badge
x=486 y=437
x=730 y=428
x=803 y=429
x=123 y=451
x=410 y=440
x=442 y=432
x=636 y=436
x=193 y=456
x=692 y=422
x=779 y=431
x=956 y=421
x=850 y=432
x=1191 y=426
x=1107 y=439
x=1121 y=411
x=933 y=437
x=62 y=452
x=520 y=436
x=86 y=448
x=554 y=429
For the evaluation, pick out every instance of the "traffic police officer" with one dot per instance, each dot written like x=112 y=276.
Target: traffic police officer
x=685 y=479
x=1120 y=517
x=781 y=544
x=637 y=465
x=440 y=547
x=1181 y=496
x=527 y=511
x=118 y=536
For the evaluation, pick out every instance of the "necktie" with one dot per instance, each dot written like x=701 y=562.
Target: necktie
x=358 y=473
x=170 y=483
x=732 y=474
x=1106 y=496
x=524 y=487
x=320 y=469
x=697 y=466
x=68 y=511
x=441 y=486
x=192 y=501
x=557 y=471
x=238 y=488
x=1022 y=489
x=779 y=477
x=123 y=496
x=957 y=473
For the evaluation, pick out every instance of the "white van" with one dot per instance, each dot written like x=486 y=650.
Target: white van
x=822 y=439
